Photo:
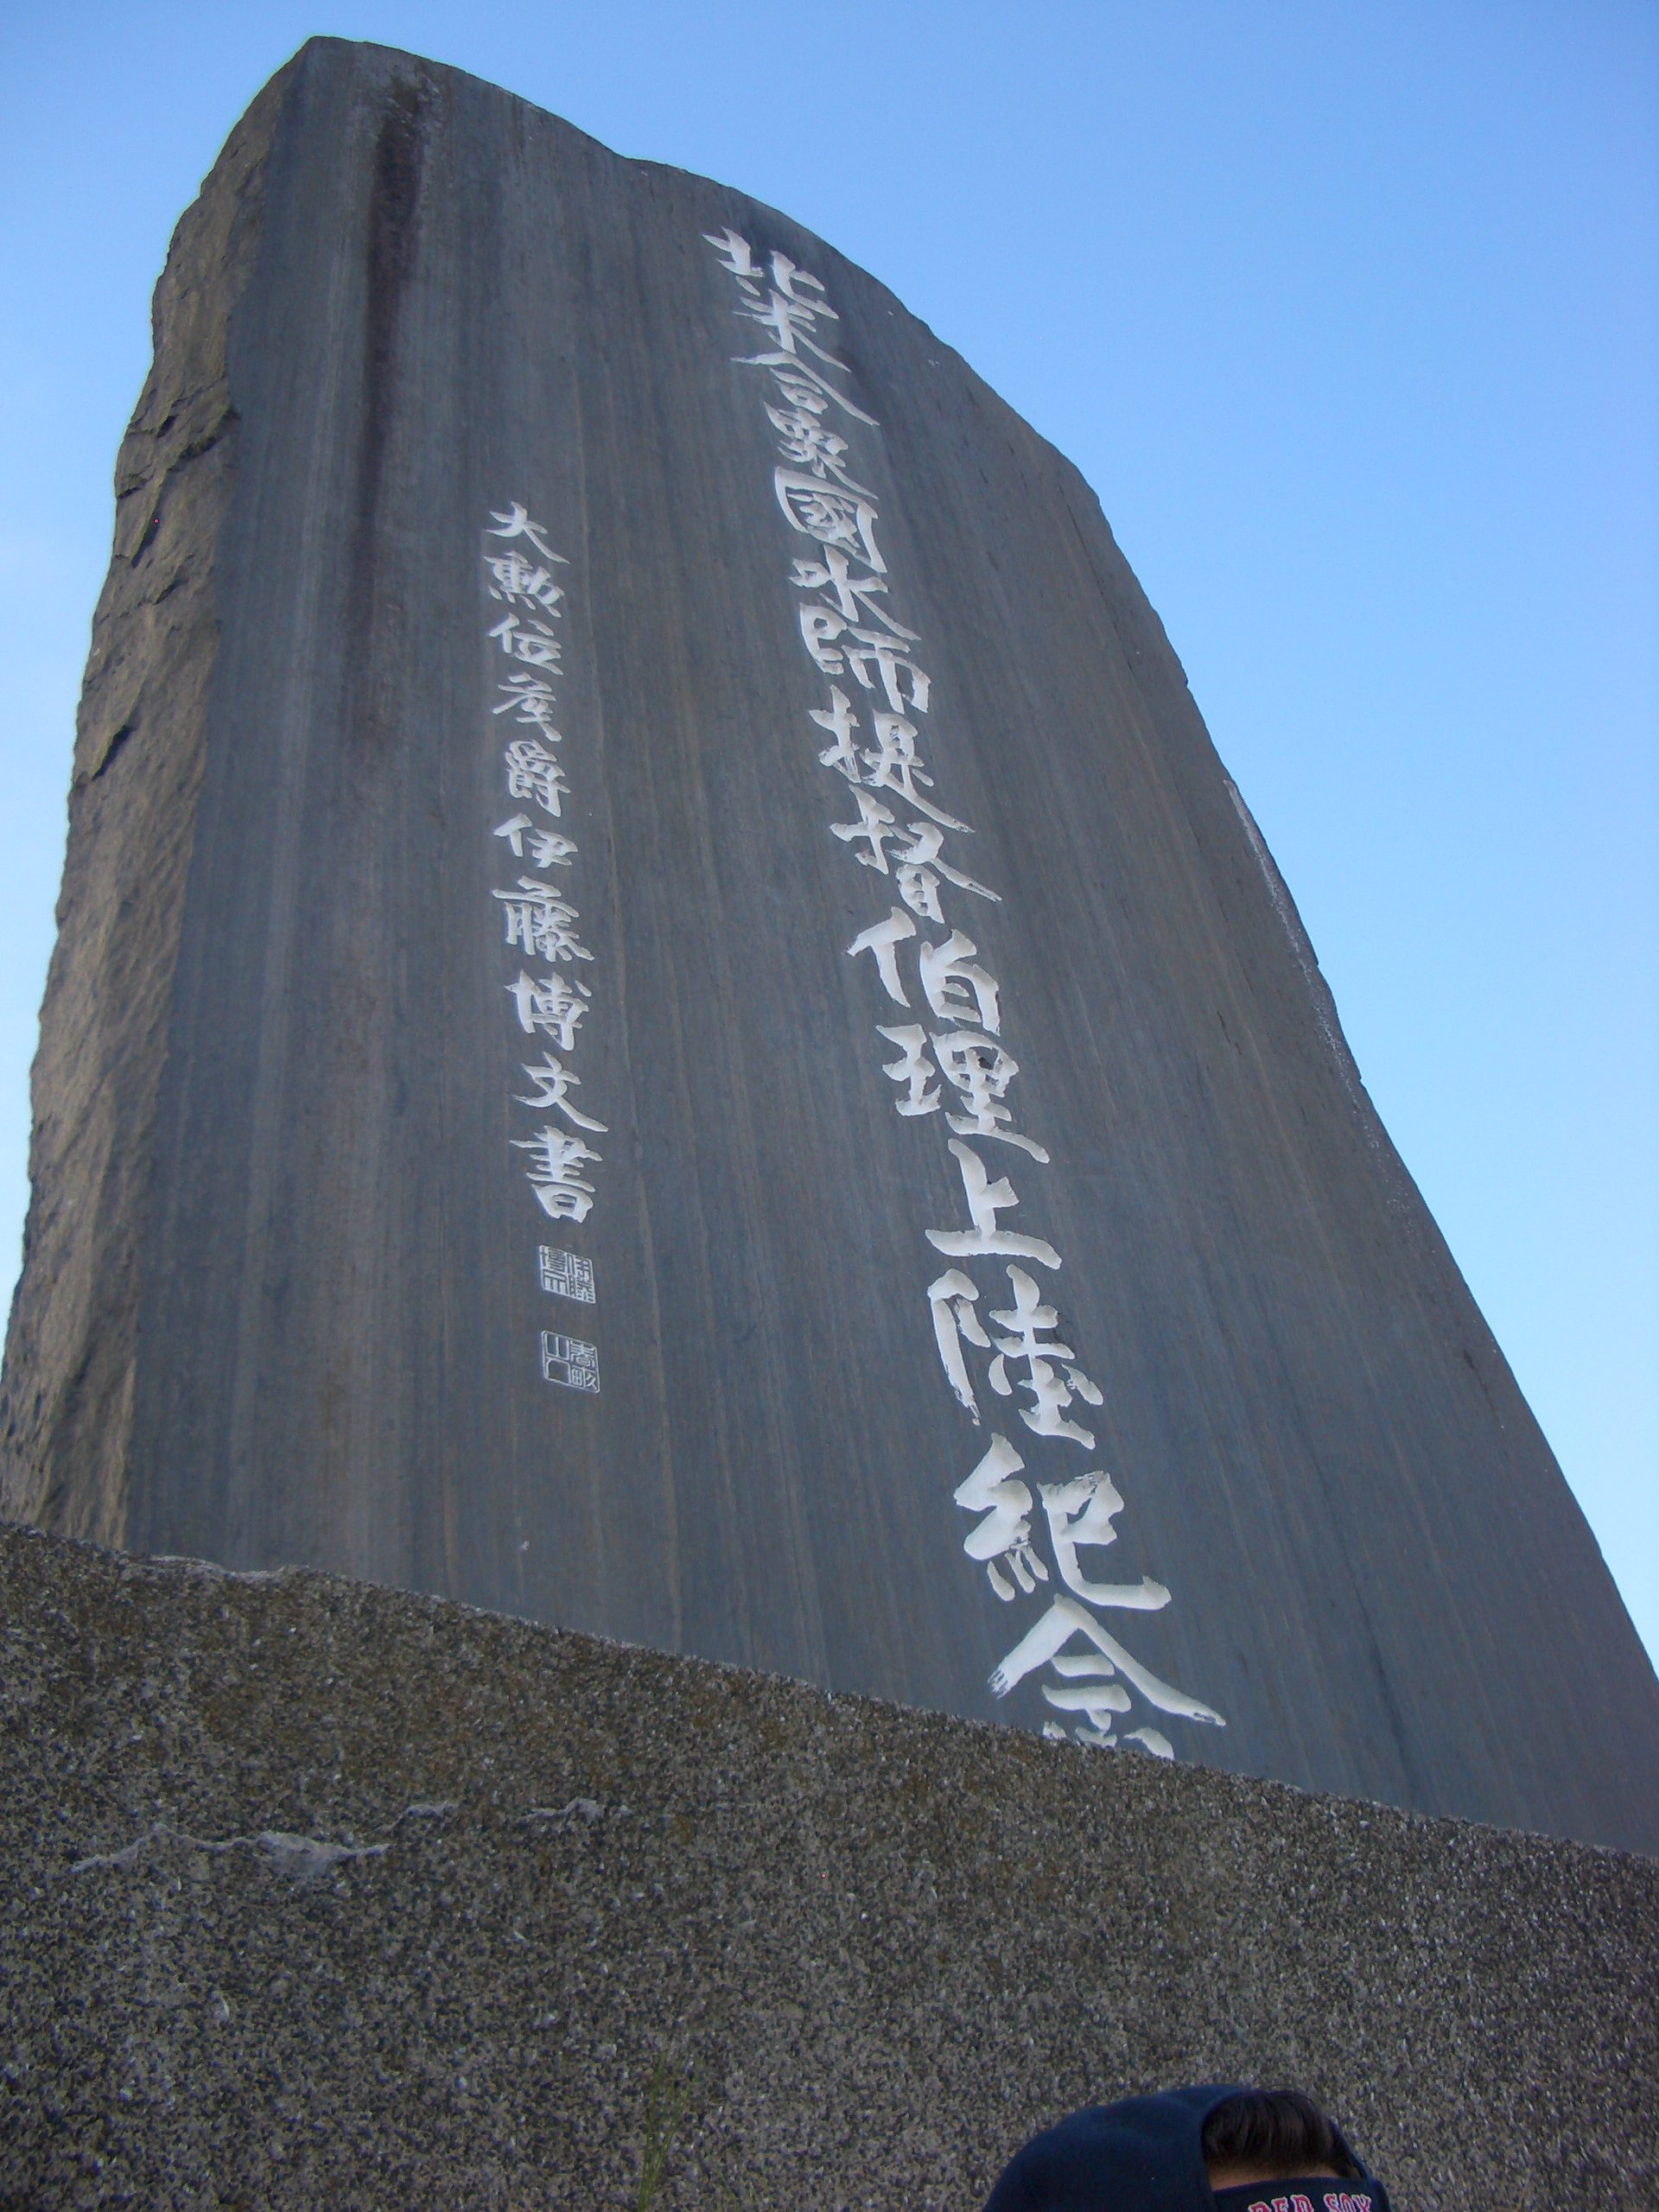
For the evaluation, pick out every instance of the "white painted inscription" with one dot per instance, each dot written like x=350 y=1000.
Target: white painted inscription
x=1001 y=1339
x=540 y=916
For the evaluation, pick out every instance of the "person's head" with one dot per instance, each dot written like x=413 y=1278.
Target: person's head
x=1263 y=2135
x=1211 y=2147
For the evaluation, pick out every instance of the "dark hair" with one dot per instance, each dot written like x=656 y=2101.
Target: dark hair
x=1280 y=2129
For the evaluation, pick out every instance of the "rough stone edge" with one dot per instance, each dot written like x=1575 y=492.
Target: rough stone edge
x=141 y=744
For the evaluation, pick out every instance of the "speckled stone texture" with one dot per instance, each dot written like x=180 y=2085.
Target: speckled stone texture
x=317 y=1893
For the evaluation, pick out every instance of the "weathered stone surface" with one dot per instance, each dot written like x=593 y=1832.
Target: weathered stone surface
x=319 y=1893
x=279 y=1300
x=140 y=751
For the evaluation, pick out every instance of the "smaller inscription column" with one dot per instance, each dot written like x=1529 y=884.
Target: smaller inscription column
x=551 y=999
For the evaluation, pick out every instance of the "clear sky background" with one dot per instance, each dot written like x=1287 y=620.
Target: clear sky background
x=1349 y=309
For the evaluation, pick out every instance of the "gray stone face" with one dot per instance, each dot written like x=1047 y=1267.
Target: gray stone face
x=282 y=1298
x=323 y=1894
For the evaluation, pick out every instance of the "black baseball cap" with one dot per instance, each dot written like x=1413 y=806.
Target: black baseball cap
x=1146 y=2154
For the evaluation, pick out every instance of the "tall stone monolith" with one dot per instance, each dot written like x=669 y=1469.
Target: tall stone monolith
x=664 y=1020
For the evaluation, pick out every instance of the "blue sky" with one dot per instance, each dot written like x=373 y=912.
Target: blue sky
x=1351 y=314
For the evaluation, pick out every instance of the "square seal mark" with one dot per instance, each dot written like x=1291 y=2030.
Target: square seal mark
x=569 y=1361
x=564 y=1274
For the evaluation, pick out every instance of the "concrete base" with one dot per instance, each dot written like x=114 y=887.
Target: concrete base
x=321 y=1893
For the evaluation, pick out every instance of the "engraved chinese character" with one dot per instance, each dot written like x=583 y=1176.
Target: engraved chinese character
x=840 y=722
x=534 y=773
x=986 y=1200
x=553 y=1171
x=554 y=1082
x=919 y=867
x=1005 y=1531
x=552 y=1004
x=735 y=252
x=538 y=919
x=977 y=1066
x=834 y=517
x=952 y=979
x=1067 y=1619
x=912 y=688
x=546 y=848
x=879 y=939
x=820 y=626
x=1082 y=1512
x=809 y=444
x=912 y=1068
x=892 y=764
x=875 y=827
x=514 y=578
x=529 y=699
x=916 y=849
x=786 y=312
x=1051 y=1376
x=951 y=1299
x=980 y=1068
x=516 y=522
x=531 y=642
x=856 y=597
x=803 y=385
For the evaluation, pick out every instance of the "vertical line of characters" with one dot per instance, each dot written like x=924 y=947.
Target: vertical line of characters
x=998 y=1333
x=551 y=995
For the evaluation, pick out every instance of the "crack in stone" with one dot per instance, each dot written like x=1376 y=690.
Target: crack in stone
x=302 y=1858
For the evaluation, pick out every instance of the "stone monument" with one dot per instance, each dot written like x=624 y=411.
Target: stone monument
x=664 y=1021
